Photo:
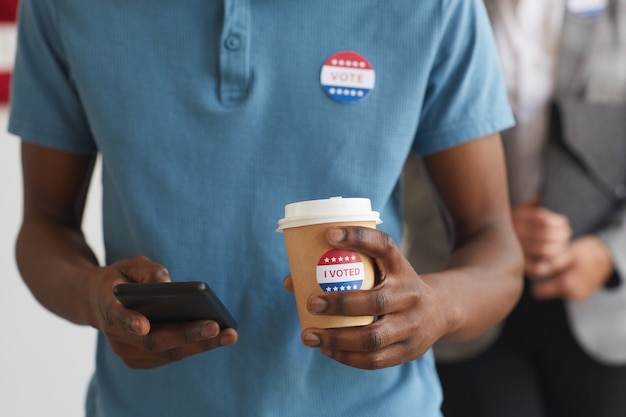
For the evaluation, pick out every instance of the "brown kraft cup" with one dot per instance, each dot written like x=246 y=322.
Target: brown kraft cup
x=316 y=267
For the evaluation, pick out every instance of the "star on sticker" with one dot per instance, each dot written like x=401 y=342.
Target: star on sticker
x=343 y=288
x=326 y=260
x=328 y=289
x=341 y=259
x=335 y=289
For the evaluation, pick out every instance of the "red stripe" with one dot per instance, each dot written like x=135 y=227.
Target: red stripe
x=8 y=10
x=5 y=82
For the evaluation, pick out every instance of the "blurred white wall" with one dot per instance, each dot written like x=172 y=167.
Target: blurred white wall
x=45 y=362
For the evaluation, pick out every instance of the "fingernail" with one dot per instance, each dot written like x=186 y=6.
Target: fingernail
x=311 y=340
x=226 y=340
x=163 y=274
x=209 y=329
x=135 y=325
x=317 y=305
x=336 y=235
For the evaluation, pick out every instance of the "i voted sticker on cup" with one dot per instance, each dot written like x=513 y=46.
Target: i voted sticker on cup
x=340 y=270
x=347 y=77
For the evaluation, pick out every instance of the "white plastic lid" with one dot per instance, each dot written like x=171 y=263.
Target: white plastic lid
x=331 y=210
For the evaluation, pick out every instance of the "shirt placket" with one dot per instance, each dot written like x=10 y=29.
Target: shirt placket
x=235 y=53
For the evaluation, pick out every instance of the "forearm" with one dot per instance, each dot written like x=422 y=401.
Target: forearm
x=55 y=263
x=481 y=283
x=483 y=278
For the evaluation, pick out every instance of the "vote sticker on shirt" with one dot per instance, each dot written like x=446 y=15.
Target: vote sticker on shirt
x=347 y=77
x=587 y=8
x=340 y=270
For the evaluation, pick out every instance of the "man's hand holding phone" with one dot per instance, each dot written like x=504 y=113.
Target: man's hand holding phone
x=142 y=344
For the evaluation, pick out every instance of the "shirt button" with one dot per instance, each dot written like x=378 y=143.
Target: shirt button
x=232 y=42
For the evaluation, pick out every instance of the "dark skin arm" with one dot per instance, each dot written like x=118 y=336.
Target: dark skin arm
x=63 y=274
x=475 y=292
x=478 y=288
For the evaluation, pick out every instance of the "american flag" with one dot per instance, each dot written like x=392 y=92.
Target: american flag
x=8 y=12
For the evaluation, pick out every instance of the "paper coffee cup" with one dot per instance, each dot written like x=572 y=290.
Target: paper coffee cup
x=316 y=267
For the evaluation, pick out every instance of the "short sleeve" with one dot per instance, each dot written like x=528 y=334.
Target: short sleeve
x=466 y=95
x=45 y=106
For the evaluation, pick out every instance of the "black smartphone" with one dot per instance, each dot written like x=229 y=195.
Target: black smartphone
x=167 y=302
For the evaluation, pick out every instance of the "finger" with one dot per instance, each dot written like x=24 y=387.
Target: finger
x=288 y=283
x=544 y=218
x=137 y=358
x=165 y=337
x=547 y=289
x=142 y=269
x=542 y=248
x=370 y=347
x=374 y=243
x=369 y=338
x=542 y=225
x=544 y=267
x=383 y=358
x=131 y=321
x=543 y=244
x=375 y=302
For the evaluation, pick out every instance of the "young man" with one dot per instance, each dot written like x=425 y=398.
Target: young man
x=209 y=117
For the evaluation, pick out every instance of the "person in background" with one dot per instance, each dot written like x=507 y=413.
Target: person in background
x=209 y=117
x=562 y=351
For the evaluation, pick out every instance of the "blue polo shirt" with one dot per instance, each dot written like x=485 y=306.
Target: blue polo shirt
x=210 y=116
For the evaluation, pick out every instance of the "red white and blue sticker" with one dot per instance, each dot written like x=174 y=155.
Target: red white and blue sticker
x=347 y=77
x=340 y=270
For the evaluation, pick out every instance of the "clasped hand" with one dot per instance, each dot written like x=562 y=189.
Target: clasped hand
x=558 y=266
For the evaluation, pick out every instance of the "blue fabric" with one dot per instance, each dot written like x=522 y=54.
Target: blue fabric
x=210 y=117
